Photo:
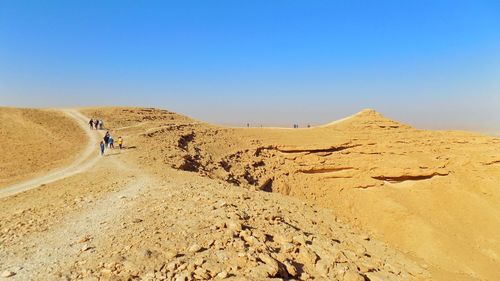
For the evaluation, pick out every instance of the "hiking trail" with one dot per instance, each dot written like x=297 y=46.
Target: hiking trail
x=88 y=157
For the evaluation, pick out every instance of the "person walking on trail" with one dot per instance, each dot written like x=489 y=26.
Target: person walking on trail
x=91 y=124
x=106 y=138
x=111 y=142
x=120 y=142
x=96 y=123
x=101 y=124
x=102 y=147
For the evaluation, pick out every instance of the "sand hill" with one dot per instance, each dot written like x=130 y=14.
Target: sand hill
x=36 y=141
x=363 y=198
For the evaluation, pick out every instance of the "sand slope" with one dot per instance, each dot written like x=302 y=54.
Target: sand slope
x=87 y=158
x=35 y=142
x=432 y=194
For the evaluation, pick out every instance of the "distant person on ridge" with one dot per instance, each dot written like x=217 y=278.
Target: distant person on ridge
x=91 y=124
x=102 y=147
x=120 y=142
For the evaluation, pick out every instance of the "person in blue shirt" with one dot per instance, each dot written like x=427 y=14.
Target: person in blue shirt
x=102 y=147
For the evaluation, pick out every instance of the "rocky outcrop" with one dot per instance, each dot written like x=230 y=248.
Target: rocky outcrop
x=407 y=185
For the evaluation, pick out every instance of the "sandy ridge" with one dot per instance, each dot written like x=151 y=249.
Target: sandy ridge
x=87 y=159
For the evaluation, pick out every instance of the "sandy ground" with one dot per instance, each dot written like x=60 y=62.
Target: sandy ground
x=84 y=160
x=36 y=141
x=362 y=199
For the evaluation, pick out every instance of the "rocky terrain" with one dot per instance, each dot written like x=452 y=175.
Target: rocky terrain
x=420 y=191
x=180 y=228
x=362 y=199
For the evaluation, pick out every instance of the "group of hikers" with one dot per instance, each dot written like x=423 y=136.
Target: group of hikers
x=97 y=124
x=108 y=141
x=296 y=126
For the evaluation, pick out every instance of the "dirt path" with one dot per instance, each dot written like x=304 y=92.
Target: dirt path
x=87 y=159
x=45 y=253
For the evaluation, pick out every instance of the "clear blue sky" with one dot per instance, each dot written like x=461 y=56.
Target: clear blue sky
x=434 y=64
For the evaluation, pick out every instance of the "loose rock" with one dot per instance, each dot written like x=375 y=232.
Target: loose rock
x=7 y=274
x=194 y=248
x=353 y=276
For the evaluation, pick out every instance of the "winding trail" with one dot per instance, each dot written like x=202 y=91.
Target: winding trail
x=88 y=157
x=97 y=219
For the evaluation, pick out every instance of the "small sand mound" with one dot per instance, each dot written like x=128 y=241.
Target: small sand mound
x=365 y=119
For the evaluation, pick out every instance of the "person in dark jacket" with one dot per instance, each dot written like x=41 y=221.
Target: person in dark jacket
x=106 y=138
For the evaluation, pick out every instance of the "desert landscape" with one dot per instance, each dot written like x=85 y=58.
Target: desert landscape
x=362 y=198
